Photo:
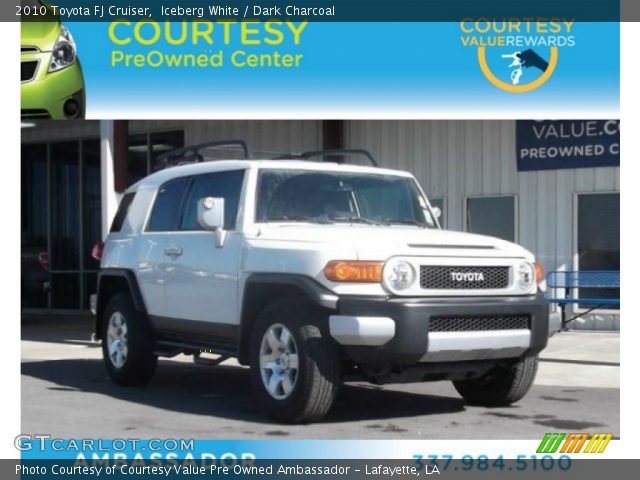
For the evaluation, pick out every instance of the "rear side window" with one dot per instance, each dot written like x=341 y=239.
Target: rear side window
x=123 y=210
x=225 y=185
x=166 y=209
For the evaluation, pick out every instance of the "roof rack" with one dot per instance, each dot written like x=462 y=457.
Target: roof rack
x=339 y=153
x=191 y=154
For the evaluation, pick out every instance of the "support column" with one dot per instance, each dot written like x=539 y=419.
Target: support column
x=120 y=153
x=107 y=186
x=333 y=134
x=113 y=168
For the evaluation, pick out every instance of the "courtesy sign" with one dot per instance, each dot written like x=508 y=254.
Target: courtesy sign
x=552 y=144
x=153 y=44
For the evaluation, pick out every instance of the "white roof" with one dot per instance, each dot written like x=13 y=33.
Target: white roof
x=162 y=176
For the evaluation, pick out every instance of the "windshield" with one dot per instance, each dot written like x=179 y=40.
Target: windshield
x=334 y=197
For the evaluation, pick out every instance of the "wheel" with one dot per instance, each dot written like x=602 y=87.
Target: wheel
x=127 y=342
x=295 y=368
x=500 y=386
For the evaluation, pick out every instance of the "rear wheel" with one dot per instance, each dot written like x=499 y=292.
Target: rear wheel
x=127 y=342
x=295 y=369
x=501 y=386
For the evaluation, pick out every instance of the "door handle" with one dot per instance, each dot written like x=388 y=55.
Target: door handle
x=173 y=251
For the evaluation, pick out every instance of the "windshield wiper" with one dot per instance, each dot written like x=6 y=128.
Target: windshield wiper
x=299 y=218
x=367 y=221
x=392 y=221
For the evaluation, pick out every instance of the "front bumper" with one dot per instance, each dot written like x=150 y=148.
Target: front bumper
x=396 y=331
x=46 y=94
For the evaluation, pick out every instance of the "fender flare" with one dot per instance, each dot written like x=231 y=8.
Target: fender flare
x=134 y=290
x=314 y=292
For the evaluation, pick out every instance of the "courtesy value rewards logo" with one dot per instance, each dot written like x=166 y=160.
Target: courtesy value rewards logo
x=515 y=55
x=574 y=443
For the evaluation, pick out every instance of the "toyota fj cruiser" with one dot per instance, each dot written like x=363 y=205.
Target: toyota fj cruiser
x=312 y=273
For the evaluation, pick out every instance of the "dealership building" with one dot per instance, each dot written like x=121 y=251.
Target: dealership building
x=553 y=187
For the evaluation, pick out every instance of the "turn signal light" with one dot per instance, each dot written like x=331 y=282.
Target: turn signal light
x=539 y=272
x=354 y=271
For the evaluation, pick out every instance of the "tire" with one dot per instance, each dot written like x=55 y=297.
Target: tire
x=501 y=386
x=302 y=394
x=137 y=363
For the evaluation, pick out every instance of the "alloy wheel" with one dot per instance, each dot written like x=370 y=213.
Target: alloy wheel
x=279 y=363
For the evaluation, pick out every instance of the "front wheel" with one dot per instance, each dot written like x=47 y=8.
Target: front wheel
x=127 y=342
x=295 y=369
x=501 y=386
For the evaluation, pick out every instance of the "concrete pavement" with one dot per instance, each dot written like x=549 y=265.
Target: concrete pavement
x=66 y=392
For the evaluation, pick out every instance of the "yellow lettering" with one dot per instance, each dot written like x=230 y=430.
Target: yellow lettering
x=226 y=25
x=279 y=36
x=246 y=31
x=183 y=35
x=297 y=31
x=112 y=33
x=204 y=33
x=463 y=26
x=116 y=57
x=568 y=25
x=147 y=41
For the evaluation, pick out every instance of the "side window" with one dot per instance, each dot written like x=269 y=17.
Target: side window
x=599 y=239
x=121 y=214
x=166 y=209
x=225 y=185
x=493 y=216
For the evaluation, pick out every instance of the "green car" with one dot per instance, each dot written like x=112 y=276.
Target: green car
x=52 y=82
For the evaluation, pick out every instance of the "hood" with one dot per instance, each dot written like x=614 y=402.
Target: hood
x=380 y=242
x=42 y=35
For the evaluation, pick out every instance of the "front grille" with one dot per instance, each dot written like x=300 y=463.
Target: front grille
x=29 y=49
x=34 y=113
x=478 y=323
x=28 y=70
x=463 y=278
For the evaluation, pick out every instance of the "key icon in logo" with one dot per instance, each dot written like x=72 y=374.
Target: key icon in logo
x=516 y=63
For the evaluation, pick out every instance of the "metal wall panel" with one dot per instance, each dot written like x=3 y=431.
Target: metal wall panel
x=272 y=136
x=269 y=137
x=53 y=130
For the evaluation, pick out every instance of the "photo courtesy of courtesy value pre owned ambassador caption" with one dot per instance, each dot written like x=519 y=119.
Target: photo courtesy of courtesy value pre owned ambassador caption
x=293 y=244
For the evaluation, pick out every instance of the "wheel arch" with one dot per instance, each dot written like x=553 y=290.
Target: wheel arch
x=261 y=289
x=110 y=282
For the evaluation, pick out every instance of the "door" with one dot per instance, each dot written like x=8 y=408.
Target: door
x=153 y=261
x=201 y=280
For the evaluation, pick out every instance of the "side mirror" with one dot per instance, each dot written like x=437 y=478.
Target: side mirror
x=211 y=217
x=436 y=212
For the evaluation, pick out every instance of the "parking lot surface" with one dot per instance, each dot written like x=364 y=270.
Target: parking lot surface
x=66 y=392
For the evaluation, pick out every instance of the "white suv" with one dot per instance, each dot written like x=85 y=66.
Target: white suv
x=312 y=273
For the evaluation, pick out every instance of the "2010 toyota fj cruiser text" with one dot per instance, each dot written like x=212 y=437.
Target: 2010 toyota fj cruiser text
x=313 y=273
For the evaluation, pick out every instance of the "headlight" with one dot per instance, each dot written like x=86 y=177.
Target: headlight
x=64 y=51
x=526 y=275
x=398 y=275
